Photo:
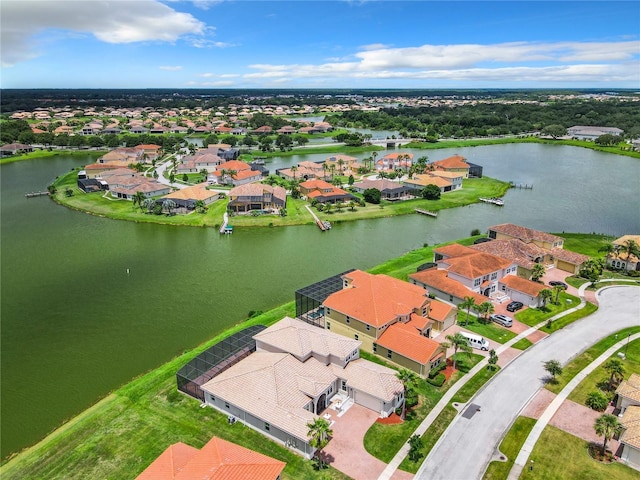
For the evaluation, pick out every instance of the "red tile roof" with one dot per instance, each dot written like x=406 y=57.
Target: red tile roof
x=217 y=460
x=456 y=161
x=438 y=279
x=525 y=234
x=454 y=250
x=376 y=299
x=523 y=285
x=439 y=310
x=404 y=340
x=476 y=265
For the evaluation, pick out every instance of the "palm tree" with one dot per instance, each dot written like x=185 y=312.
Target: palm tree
x=537 y=272
x=325 y=167
x=294 y=169
x=138 y=198
x=607 y=426
x=352 y=205
x=484 y=310
x=545 y=295
x=341 y=164
x=169 y=205
x=200 y=206
x=468 y=303
x=149 y=204
x=607 y=249
x=556 y=290
x=458 y=342
x=332 y=167
x=319 y=434
x=615 y=367
x=630 y=247
x=408 y=379
x=373 y=159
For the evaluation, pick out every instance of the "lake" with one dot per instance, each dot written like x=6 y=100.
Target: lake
x=89 y=303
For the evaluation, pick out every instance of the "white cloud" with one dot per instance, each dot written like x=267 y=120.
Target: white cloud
x=171 y=68
x=108 y=21
x=516 y=62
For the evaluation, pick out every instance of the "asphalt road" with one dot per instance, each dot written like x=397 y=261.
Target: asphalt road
x=468 y=445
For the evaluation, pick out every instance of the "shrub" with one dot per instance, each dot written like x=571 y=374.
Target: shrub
x=597 y=401
x=437 y=369
x=438 y=380
x=475 y=231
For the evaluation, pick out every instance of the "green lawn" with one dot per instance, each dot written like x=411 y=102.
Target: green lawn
x=581 y=361
x=490 y=330
x=510 y=447
x=384 y=441
x=533 y=316
x=561 y=456
x=585 y=243
x=562 y=322
x=600 y=377
x=522 y=344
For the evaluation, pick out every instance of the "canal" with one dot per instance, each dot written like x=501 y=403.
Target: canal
x=89 y=303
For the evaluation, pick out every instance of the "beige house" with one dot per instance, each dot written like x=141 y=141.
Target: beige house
x=622 y=259
x=630 y=437
x=628 y=392
x=296 y=373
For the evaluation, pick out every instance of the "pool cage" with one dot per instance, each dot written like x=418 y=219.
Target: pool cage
x=215 y=360
x=309 y=299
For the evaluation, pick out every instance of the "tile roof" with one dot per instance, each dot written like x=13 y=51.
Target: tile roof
x=382 y=184
x=316 y=183
x=621 y=241
x=257 y=190
x=569 y=256
x=236 y=165
x=455 y=161
x=195 y=192
x=439 y=310
x=525 y=234
x=396 y=155
x=438 y=279
x=406 y=341
x=631 y=421
x=475 y=265
x=454 y=250
x=630 y=388
x=301 y=339
x=523 y=285
x=217 y=460
x=514 y=249
x=424 y=179
x=371 y=378
x=376 y=299
x=418 y=322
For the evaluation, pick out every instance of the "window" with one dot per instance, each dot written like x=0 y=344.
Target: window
x=226 y=405
x=356 y=336
x=476 y=282
x=494 y=275
x=388 y=353
x=267 y=426
x=375 y=348
x=328 y=324
x=368 y=327
x=348 y=319
x=343 y=385
x=327 y=311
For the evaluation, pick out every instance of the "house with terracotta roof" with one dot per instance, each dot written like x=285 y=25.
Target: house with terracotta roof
x=394 y=161
x=455 y=163
x=526 y=255
x=622 y=259
x=257 y=196
x=392 y=318
x=437 y=282
x=186 y=198
x=630 y=437
x=522 y=290
x=234 y=172
x=304 y=171
x=560 y=258
x=150 y=151
x=341 y=162
x=13 y=148
x=217 y=460
x=298 y=371
x=125 y=183
x=419 y=181
x=126 y=155
x=324 y=192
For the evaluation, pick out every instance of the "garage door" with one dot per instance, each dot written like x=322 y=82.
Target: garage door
x=366 y=400
x=566 y=266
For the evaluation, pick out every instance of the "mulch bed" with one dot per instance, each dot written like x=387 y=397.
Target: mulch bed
x=392 y=419
x=448 y=371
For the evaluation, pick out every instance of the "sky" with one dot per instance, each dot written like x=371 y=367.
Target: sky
x=327 y=44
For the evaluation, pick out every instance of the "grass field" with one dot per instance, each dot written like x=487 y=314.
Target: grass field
x=560 y=456
x=533 y=316
x=510 y=447
x=490 y=330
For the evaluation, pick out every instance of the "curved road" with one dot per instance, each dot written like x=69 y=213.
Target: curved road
x=468 y=445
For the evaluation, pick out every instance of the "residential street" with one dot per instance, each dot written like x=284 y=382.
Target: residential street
x=468 y=445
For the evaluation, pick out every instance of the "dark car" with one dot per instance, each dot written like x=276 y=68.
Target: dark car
x=514 y=306
x=555 y=283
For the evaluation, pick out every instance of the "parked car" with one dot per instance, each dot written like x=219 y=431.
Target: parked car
x=556 y=283
x=476 y=341
x=514 y=306
x=503 y=320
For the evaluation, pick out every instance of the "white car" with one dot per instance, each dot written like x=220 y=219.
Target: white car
x=502 y=320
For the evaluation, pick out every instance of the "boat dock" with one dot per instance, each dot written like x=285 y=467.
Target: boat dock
x=321 y=225
x=426 y=212
x=521 y=185
x=493 y=200
x=226 y=228
x=36 y=194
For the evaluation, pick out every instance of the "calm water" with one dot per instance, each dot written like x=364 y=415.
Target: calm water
x=75 y=325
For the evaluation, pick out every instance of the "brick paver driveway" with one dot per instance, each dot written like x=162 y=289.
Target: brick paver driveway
x=346 y=449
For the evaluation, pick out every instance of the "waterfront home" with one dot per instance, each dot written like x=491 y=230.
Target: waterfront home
x=526 y=255
x=196 y=163
x=392 y=318
x=13 y=148
x=324 y=192
x=389 y=190
x=257 y=196
x=562 y=259
x=340 y=163
x=218 y=459
x=439 y=284
x=620 y=258
x=186 y=198
x=124 y=183
x=234 y=172
x=304 y=171
x=455 y=163
x=522 y=290
x=418 y=182
x=297 y=373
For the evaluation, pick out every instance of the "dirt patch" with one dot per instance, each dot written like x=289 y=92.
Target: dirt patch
x=448 y=371
x=392 y=419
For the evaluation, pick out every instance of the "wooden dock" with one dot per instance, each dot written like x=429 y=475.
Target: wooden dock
x=36 y=194
x=426 y=212
x=324 y=226
x=521 y=185
x=226 y=228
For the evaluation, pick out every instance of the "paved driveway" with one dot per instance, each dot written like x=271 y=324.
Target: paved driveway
x=474 y=436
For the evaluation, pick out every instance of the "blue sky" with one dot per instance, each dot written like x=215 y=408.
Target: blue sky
x=328 y=44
